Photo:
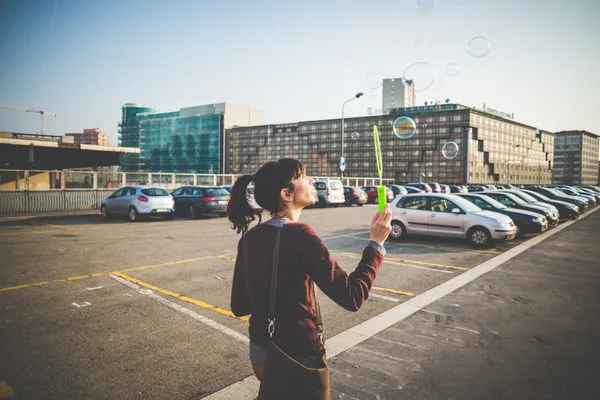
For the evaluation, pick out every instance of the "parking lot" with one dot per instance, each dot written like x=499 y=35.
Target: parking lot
x=94 y=308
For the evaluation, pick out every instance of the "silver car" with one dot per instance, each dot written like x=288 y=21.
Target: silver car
x=138 y=202
x=439 y=214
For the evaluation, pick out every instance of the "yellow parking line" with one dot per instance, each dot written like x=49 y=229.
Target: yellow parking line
x=58 y=226
x=426 y=263
x=227 y=258
x=6 y=392
x=409 y=294
x=76 y=278
x=167 y=263
x=180 y=297
x=6 y=289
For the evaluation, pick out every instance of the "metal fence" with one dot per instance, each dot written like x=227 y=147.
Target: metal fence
x=46 y=191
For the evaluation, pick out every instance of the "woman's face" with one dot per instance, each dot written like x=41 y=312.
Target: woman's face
x=305 y=193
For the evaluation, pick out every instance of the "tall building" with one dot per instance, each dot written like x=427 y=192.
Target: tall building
x=188 y=140
x=396 y=94
x=486 y=142
x=576 y=158
x=90 y=136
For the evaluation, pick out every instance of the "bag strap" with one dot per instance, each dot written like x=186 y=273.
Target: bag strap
x=273 y=295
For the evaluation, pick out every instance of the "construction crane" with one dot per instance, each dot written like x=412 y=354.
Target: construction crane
x=33 y=110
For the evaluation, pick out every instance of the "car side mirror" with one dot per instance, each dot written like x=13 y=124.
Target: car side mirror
x=456 y=210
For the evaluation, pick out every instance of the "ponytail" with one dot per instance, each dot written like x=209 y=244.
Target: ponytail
x=239 y=211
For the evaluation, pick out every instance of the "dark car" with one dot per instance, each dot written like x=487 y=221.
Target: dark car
x=458 y=189
x=412 y=189
x=371 y=192
x=420 y=185
x=525 y=221
x=354 y=196
x=435 y=187
x=478 y=188
x=533 y=201
x=554 y=194
x=565 y=210
x=586 y=192
x=510 y=200
x=194 y=201
x=397 y=189
x=571 y=192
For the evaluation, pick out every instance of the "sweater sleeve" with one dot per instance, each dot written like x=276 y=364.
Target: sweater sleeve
x=241 y=301
x=349 y=291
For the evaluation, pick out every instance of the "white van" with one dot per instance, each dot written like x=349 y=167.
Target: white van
x=330 y=191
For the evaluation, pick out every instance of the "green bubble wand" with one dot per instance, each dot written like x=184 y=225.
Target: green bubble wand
x=379 y=161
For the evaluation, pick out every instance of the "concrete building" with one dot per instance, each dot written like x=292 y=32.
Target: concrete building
x=189 y=140
x=396 y=94
x=90 y=136
x=576 y=158
x=487 y=143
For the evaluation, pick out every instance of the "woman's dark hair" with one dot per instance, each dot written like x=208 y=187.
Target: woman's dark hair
x=270 y=179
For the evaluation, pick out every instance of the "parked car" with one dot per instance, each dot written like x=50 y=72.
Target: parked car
x=420 y=185
x=554 y=194
x=510 y=200
x=445 y=189
x=565 y=210
x=448 y=215
x=249 y=196
x=354 y=196
x=398 y=190
x=477 y=188
x=139 y=202
x=372 y=198
x=525 y=221
x=193 y=201
x=330 y=192
x=532 y=200
x=435 y=187
x=571 y=192
x=458 y=189
x=412 y=189
x=587 y=193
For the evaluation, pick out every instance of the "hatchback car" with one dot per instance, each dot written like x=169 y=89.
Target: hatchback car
x=510 y=200
x=565 y=210
x=398 y=190
x=372 y=197
x=193 y=201
x=411 y=189
x=554 y=194
x=435 y=187
x=330 y=192
x=533 y=201
x=448 y=215
x=354 y=196
x=139 y=202
x=525 y=221
x=458 y=189
x=420 y=185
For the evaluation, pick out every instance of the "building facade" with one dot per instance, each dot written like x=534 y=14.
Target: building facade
x=90 y=136
x=189 y=140
x=486 y=143
x=576 y=158
x=397 y=94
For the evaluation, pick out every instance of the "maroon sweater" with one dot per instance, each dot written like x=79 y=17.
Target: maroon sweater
x=303 y=258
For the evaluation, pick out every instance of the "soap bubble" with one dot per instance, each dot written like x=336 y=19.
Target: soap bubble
x=420 y=74
x=479 y=47
x=425 y=7
x=374 y=92
x=404 y=127
x=452 y=69
x=450 y=150
x=355 y=135
x=424 y=126
x=373 y=80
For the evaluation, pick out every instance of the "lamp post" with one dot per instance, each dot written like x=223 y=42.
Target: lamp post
x=356 y=96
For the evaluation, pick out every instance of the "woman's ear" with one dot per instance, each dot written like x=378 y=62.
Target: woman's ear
x=285 y=195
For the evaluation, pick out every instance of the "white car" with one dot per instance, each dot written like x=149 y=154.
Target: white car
x=437 y=214
x=138 y=202
x=330 y=191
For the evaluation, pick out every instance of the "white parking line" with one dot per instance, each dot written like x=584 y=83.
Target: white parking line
x=183 y=310
x=248 y=388
x=394 y=262
x=379 y=296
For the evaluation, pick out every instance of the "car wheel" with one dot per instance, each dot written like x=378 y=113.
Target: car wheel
x=322 y=202
x=104 y=212
x=348 y=203
x=398 y=231
x=133 y=215
x=360 y=204
x=519 y=229
x=336 y=205
x=192 y=212
x=479 y=237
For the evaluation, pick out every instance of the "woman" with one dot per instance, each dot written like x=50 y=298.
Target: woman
x=284 y=189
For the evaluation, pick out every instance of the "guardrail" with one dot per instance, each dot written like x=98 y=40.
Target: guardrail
x=27 y=201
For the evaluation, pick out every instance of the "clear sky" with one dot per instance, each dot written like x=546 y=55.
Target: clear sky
x=296 y=60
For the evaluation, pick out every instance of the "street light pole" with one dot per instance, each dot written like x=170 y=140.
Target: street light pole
x=356 y=96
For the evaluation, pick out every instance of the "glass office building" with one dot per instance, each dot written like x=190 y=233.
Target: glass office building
x=486 y=142
x=177 y=141
x=576 y=158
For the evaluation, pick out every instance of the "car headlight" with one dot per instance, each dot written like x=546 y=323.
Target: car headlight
x=502 y=224
x=538 y=220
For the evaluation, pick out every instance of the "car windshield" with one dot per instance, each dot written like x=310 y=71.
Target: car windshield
x=466 y=205
x=557 y=192
x=213 y=192
x=494 y=202
x=516 y=199
x=540 y=196
x=155 y=192
x=335 y=185
x=527 y=197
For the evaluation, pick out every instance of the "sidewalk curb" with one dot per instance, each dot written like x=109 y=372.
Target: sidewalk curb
x=83 y=214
